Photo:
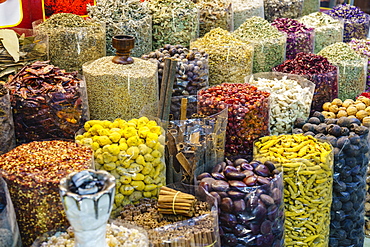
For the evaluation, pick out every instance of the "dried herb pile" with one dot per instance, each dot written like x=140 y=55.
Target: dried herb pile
x=230 y=59
x=47 y=103
x=129 y=17
x=72 y=40
x=174 y=22
x=7 y=136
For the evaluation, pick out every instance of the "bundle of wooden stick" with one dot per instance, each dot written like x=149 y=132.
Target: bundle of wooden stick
x=172 y=201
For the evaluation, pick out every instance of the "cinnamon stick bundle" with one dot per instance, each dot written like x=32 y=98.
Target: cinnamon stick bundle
x=172 y=201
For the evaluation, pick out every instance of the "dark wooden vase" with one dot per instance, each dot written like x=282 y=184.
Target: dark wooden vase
x=123 y=45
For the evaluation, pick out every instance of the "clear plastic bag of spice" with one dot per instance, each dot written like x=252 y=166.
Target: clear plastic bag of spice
x=7 y=137
x=69 y=47
x=202 y=230
x=307 y=185
x=282 y=9
x=310 y=6
x=291 y=97
x=174 y=22
x=132 y=151
x=213 y=14
x=179 y=104
x=248 y=114
x=300 y=42
x=47 y=103
x=244 y=9
x=9 y=236
x=194 y=145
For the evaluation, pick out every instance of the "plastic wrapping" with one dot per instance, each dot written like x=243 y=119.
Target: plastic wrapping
x=10 y=236
x=132 y=151
x=32 y=172
x=269 y=44
x=299 y=37
x=248 y=114
x=194 y=146
x=213 y=14
x=362 y=47
x=129 y=17
x=244 y=9
x=230 y=59
x=327 y=29
x=174 y=22
x=191 y=70
x=352 y=69
x=7 y=137
x=69 y=47
x=177 y=106
x=290 y=97
x=282 y=9
x=351 y=157
x=250 y=197
x=310 y=6
x=47 y=103
x=307 y=185
x=115 y=230
x=119 y=90
x=318 y=70
x=177 y=230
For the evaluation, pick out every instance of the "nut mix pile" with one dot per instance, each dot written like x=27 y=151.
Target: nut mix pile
x=318 y=70
x=32 y=172
x=349 y=140
x=351 y=67
x=250 y=198
x=132 y=151
x=47 y=103
x=290 y=97
x=248 y=114
x=307 y=164
x=229 y=58
x=300 y=38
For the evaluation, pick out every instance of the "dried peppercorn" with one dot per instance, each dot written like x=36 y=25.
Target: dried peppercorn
x=47 y=103
x=248 y=114
x=299 y=37
x=356 y=22
x=318 y=70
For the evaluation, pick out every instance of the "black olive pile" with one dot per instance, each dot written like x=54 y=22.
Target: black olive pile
x=351 y=157
x=250 y=199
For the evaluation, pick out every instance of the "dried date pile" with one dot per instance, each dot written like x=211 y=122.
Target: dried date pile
x=46 y=102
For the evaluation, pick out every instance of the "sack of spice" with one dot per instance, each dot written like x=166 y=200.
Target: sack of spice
x=174 y=22
x=307 y=164
x=250 y=200
x=214 y=14
x=352 y=69
x=248 y=114
x=244 y=9
x=290 y=97
x=132 y=151
x=327 y=29
x=7 y=136
x=317 y=69
x=350 y=143
x=362 y=47
x=299 y=37
x=282 y=9
x=71 y=40
x=356 y=22
x=310 y=6
x=18 y=47
x=194 y=146
x=269 y=44
x=9 y=232
x=129 y=17
x=230 y=59
x=47 y=103
x=177 y=230
x=33 y=172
